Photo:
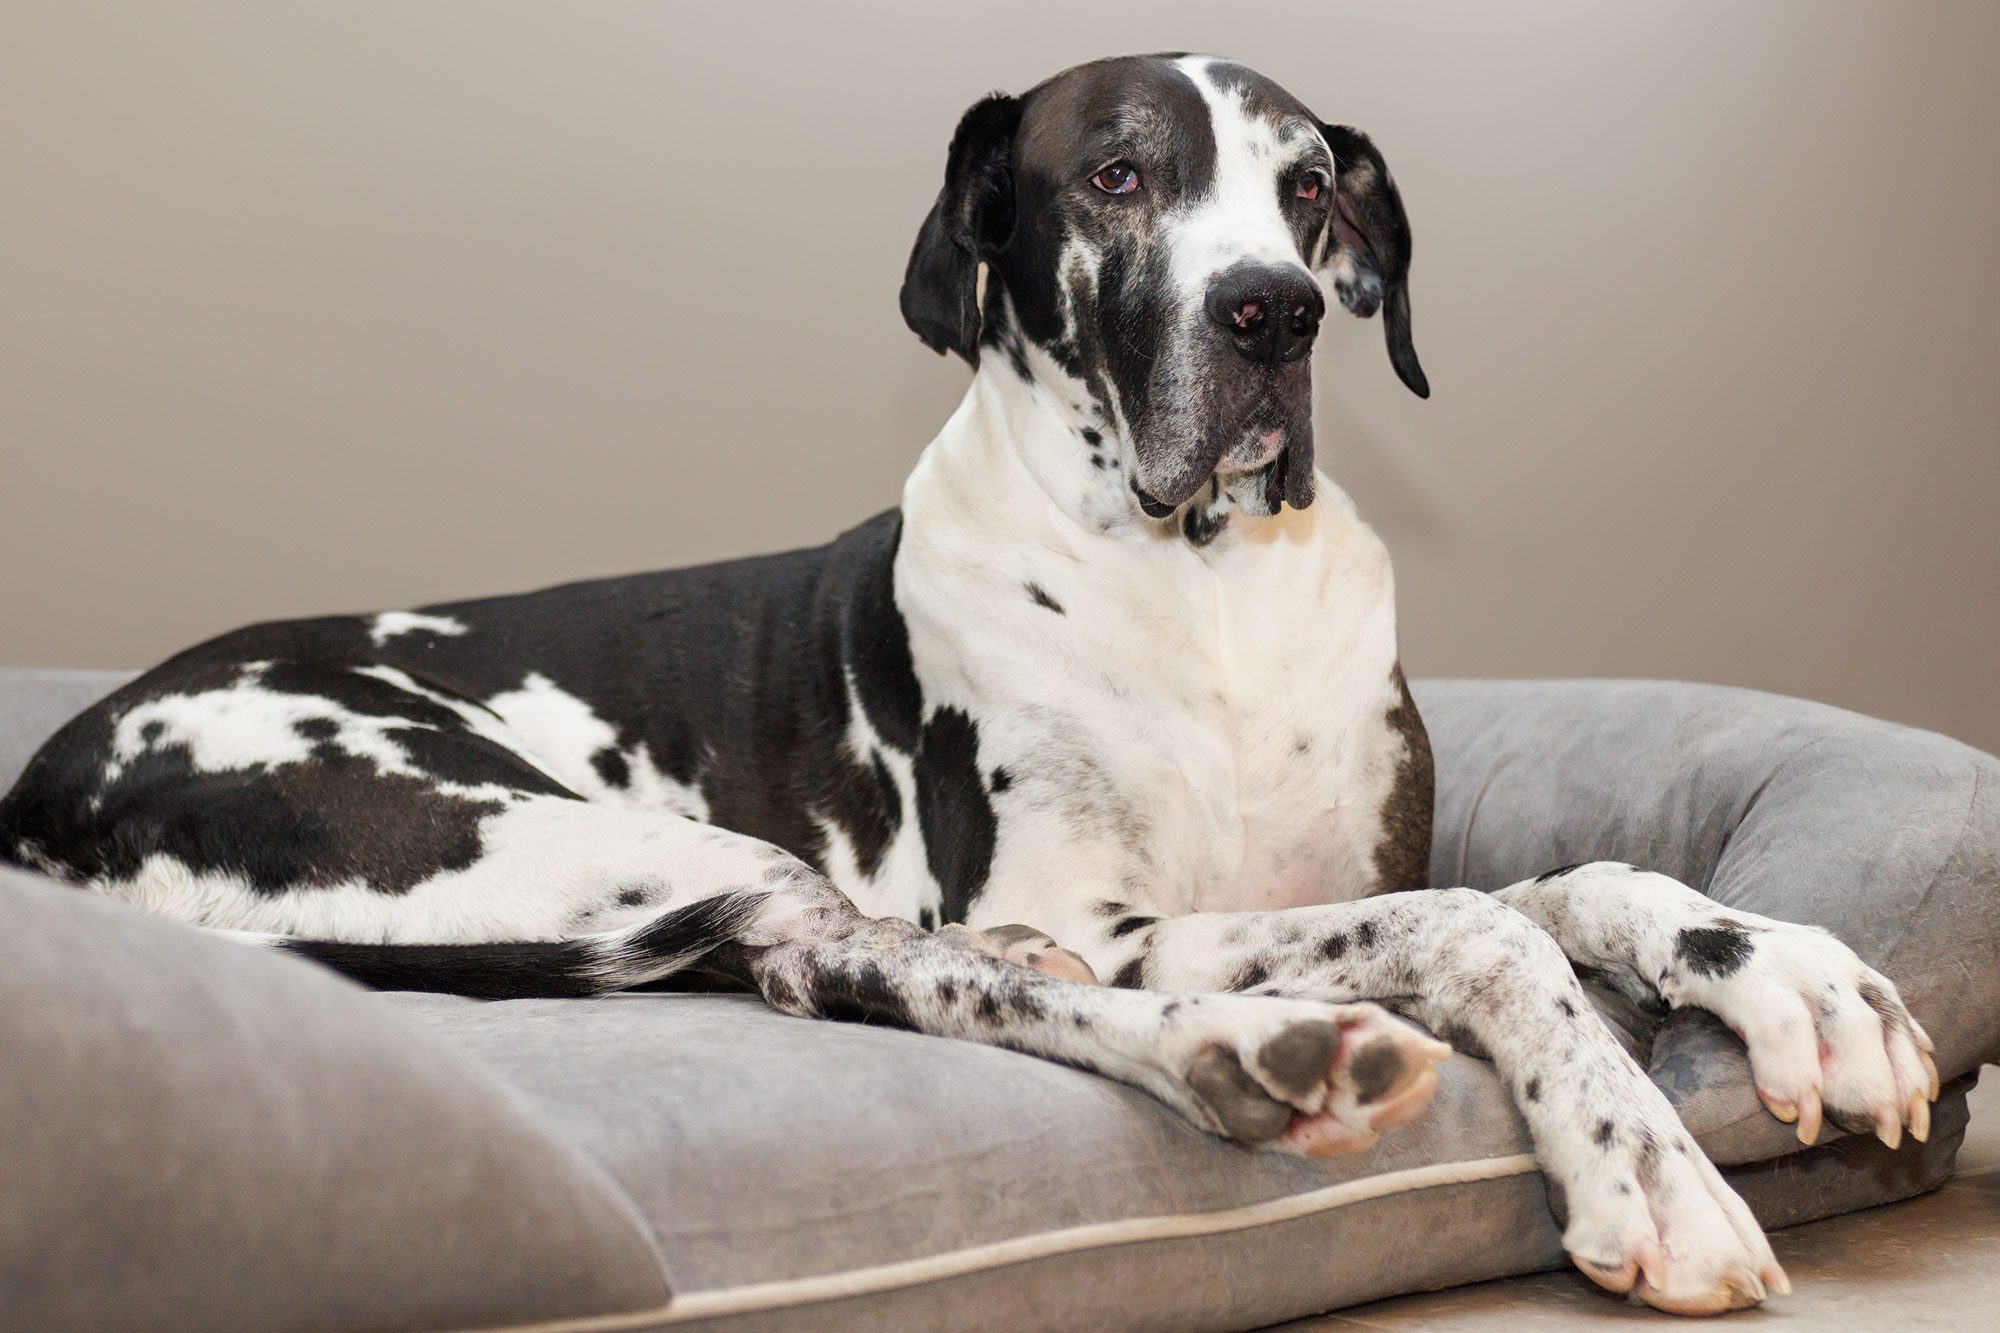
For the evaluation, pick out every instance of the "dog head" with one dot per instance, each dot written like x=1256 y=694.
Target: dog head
x=1156 y=232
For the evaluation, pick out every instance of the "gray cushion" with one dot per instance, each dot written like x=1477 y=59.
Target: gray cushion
x=784 y=1162
x=197 y=1134
x=1886 y=835
x=833 y=1176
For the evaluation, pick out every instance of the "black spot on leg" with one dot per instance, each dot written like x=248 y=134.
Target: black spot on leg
x=778 y=992
x=1606 y=1131
x=631 y=897
x=1567 y=1006
x=1001 y=781
x=1252 y=973
x=612 y=767
x=1714 y=951
x=1364 y=935
x=1040 y=596
x=856 y=993
x=1333 y=947
x=1533 y=1092
x=926 y=918
x=1092 y=438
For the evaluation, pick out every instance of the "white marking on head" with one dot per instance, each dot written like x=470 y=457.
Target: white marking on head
x=1239 y=219
x=392 y=623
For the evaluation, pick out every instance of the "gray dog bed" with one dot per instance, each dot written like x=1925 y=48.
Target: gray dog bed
x=193 y=1134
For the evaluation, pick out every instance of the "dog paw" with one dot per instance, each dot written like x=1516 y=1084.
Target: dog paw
x=1828 y=1036
x=1023 y=946
x=1660 y=1225
x=1302 y=1077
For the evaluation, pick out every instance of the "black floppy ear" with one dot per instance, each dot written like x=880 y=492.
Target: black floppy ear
x=1369 y=250
x=972 y=217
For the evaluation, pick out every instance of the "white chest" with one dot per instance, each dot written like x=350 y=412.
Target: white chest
x=1190 y=730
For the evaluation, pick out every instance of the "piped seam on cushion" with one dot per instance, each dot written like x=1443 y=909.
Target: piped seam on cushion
x=758 y=1297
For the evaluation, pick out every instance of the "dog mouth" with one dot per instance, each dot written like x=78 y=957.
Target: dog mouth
x=1257 y=476
x=1254 y=444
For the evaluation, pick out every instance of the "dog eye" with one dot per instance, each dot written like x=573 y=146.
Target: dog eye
x=1118 y=178
x=1310 y=184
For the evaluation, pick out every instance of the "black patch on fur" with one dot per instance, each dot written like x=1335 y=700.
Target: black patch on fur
x=1041 y=598
x=855 y=992
x=1714 y=951
x=473 y=761
x=1403 y=856
x=863 y=801
x=1252 y=973
x=953 y=810
x=1000 y=781
x=1131 y=976
x=310 y=728
x=1364 y=934
x=631 y=897
x=1201 y=525
x=1333 y=947
x=1567 y=1006
x=612 y=767
x=1533 y=1092
x=1548 y=875
x=926 y=918
x=1091 y=437
x=1606 y=1131
x=1128 y=925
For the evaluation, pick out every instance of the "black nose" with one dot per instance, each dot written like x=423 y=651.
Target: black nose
x=1271 y=313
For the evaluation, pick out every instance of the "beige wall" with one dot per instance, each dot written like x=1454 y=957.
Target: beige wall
x=333 y=306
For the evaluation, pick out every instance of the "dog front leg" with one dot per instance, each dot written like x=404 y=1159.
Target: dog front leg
x=1826 y=1033
x=1260 y=1070
x=1646 y=1211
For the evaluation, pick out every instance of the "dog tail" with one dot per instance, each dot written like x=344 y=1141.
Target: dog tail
x=586 y=965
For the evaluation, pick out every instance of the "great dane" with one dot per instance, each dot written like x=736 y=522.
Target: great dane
x=1114 y=694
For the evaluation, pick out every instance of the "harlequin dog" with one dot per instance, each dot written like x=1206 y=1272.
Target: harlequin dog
x=1114 y=694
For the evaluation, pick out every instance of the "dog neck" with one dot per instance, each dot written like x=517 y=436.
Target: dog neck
x=1029 y=439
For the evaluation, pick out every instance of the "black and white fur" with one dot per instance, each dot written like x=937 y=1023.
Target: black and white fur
x=1114 y=694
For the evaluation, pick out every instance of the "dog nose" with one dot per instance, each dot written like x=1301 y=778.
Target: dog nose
x=1270 y=313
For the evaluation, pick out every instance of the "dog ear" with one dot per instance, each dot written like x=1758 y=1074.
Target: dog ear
x=973 y=216
x=1369 y=249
